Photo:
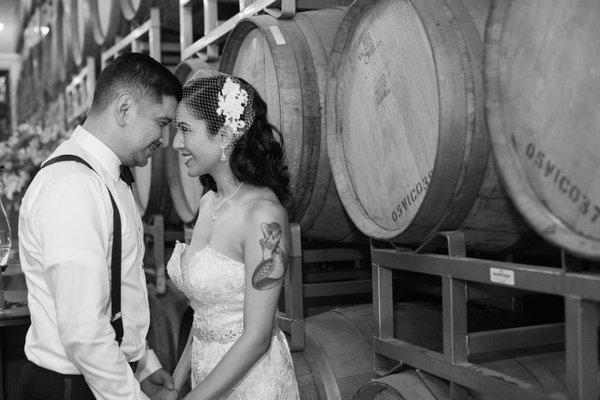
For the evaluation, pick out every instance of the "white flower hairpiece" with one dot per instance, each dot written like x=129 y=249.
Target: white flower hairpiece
x=232 y=101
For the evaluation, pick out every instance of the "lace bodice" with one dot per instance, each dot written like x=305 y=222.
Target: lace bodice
x=215 y=284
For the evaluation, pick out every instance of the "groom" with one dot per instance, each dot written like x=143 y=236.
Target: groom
x=79 y=230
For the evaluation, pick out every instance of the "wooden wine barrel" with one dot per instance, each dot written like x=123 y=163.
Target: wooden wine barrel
x=338 y=358
x=338 y=353
x=542 y=103
x=106 y=20
x=402 y=386
x=82 y=36
x=286 y=61
x=132 y=8
x=139 y=10
x=546 y=370
x=406 y=136
x=185 y=191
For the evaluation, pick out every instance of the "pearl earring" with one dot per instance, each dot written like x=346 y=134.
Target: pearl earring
x=223 y=156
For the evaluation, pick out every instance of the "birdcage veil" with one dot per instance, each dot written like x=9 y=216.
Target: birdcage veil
x=225 y=103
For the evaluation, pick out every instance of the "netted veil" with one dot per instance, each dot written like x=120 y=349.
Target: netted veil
x=222 y=101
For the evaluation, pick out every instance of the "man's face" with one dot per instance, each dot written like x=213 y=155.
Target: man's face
x=148 y=129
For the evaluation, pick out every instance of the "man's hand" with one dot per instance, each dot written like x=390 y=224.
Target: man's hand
x=165 y=394
x=156 y=381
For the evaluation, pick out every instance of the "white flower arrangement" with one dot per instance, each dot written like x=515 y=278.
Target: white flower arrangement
x=232 y=101
x=22 y=155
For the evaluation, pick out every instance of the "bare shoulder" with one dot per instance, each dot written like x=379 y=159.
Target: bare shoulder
x=265 y=211
x=264 y=208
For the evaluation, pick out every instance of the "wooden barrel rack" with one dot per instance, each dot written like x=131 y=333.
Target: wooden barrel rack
x=460 y=362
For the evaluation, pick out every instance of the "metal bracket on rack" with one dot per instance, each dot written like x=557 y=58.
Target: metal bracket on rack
x=454 y=240
x=287 y=11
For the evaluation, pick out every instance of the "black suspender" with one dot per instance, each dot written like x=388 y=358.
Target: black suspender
x=116 y=319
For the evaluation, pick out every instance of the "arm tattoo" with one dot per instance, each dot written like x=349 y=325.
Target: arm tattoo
x=274 y=254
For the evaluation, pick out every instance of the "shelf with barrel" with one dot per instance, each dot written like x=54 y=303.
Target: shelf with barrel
x=541 y=176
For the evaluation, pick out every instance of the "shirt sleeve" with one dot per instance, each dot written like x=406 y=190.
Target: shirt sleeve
x=147 y=365
x=75 y=224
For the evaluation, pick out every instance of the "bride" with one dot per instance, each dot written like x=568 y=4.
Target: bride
x=233 y=269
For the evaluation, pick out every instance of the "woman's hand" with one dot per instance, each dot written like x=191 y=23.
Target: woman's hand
x=157 y=380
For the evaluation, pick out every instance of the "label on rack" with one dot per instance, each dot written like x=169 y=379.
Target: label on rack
x=277 y=34
x=503 y=276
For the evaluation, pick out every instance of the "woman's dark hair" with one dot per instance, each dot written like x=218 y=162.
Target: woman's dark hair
x=258 y=156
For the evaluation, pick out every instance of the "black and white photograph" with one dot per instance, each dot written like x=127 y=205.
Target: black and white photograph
x=299 y=200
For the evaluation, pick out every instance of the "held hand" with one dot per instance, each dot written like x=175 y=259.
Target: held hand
x=166 y=394
x=156 y=381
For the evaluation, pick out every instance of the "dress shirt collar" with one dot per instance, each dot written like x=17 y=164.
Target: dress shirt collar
x=101 y=152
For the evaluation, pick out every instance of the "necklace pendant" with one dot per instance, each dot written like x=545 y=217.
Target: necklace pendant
x=226 y=199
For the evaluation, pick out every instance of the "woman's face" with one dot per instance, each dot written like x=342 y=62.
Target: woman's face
x=199 y=149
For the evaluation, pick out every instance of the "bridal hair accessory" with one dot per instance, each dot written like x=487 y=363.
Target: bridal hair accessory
x=226 y=199
x=224 y=103
x=232 y=100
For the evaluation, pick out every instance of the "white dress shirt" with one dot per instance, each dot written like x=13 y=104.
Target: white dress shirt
x=65 y=243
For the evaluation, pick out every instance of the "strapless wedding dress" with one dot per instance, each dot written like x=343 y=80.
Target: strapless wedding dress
x=214 y=284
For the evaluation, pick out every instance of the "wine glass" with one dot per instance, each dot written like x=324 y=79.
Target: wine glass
x=5 y=246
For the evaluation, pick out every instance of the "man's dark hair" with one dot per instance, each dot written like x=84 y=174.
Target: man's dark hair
x=144 y=77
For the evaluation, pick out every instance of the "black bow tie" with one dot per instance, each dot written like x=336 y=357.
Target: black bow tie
x=126 y=175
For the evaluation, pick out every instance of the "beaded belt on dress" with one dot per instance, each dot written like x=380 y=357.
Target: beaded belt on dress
x=221 y=335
